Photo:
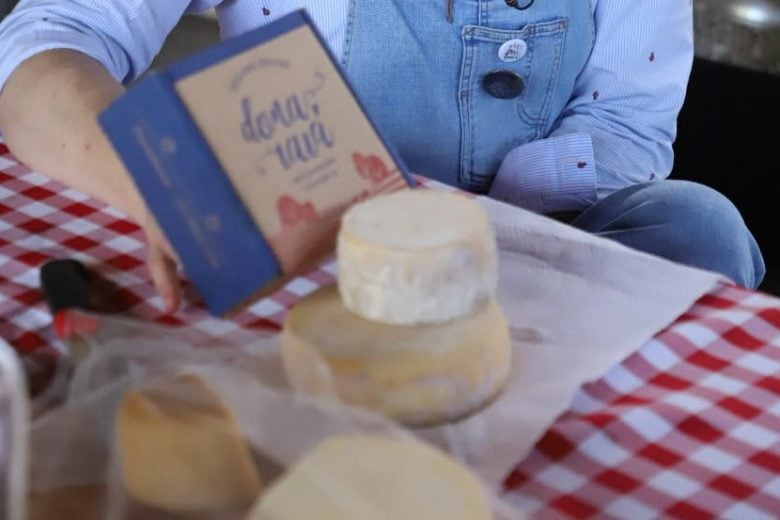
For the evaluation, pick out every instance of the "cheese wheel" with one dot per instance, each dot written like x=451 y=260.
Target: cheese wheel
x=181 y=450
x=416 y=256
x=367 y=477
x=418 y=375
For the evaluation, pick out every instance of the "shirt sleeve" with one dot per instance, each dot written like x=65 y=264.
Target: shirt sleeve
x=619 y=125
x=122 y=35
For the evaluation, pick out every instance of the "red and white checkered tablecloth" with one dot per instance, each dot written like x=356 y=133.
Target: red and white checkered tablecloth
x=687 y=427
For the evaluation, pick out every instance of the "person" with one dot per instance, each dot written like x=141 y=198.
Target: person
x=558 y=106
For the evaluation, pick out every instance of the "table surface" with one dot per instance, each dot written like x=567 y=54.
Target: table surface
x=686 y=427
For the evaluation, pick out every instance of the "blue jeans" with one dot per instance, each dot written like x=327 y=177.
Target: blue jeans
x=682 y=221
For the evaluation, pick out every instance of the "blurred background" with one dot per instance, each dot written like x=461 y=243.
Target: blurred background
x=728 y=128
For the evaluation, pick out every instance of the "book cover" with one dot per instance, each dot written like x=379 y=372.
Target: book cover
x=248 y=153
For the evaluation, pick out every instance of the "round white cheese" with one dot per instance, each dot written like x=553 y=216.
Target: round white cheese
x=180 y=449
x=371 y=477
x=418 y=375
x=416 y=256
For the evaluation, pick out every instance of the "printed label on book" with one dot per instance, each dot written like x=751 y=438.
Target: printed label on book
x=297 y=147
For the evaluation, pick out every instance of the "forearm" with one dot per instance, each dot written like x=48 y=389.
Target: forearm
x=620 y=122
x=48 y=117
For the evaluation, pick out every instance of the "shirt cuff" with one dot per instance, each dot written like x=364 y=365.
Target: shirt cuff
x=24 y=47
x=549 y=175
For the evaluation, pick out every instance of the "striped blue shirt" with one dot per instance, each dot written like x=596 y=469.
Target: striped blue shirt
x=619 y=124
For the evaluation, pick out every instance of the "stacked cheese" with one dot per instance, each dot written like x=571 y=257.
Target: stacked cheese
x=413 y=330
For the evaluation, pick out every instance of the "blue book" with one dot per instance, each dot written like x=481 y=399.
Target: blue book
x=248 y=153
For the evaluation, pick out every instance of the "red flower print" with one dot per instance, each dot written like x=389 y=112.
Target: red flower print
x=292 y=212
x=370 y=167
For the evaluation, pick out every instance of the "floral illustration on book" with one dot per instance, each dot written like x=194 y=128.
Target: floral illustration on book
x=291 y=212
x=371 y=167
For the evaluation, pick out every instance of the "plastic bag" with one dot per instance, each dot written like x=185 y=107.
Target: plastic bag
x=74 y=469
x=14 y=418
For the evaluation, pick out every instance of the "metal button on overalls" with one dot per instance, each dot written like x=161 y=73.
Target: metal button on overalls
x=512 y=50
x=503 y=84
x=519 y=4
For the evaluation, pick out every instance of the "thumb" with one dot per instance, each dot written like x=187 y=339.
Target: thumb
x=162 y=269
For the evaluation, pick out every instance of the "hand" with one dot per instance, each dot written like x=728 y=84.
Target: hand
x=55 y=97
x=162 y=263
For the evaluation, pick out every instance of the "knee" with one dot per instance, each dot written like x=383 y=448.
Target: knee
x=696 y=225
x=697 y=209
x=711 y=231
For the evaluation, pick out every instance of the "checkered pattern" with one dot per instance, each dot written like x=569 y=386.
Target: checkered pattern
x=687 y=427
x=41 y=219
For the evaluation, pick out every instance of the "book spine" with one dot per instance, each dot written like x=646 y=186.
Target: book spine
x=222 y=250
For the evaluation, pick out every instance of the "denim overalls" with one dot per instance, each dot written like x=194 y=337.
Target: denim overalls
x=455 y=85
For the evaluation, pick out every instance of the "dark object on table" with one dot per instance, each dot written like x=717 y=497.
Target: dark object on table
x=65 y=285
x=69 y=287
x=68 y=284
x=728 y=139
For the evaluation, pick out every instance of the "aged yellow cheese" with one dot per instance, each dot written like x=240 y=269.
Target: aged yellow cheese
x=367 y=477
x=416 y=256
x=417 y=375
x=181 y=450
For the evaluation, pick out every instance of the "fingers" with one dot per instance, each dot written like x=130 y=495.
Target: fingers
x=162 y=263
x=162 y=269
x=167 y=248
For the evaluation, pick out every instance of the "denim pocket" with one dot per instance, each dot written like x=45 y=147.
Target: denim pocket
x=492 y=126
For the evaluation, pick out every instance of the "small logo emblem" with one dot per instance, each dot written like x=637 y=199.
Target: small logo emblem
x=168 y=145
x=512 y=50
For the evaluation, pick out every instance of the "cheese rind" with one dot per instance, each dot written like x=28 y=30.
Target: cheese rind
x=418 y=375
x=368 y=477
x=181 y=450
x=416 y=256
